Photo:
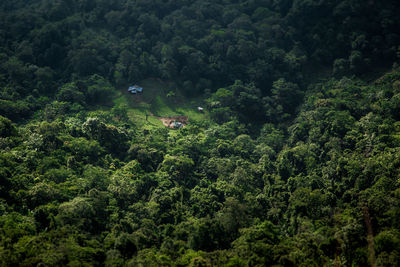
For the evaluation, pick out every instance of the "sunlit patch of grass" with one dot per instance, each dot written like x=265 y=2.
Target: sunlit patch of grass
x=154 y=101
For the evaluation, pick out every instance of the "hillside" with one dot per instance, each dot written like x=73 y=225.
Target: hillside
x=293 y=162
x=161 y=101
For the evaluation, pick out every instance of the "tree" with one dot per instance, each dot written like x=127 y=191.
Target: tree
x=357 y=63
x=78 y=212
x=70 y=93
x=99 y=90
x=7 y=129
x=109 y=136
x=340 y=67
x=284 y=100
x=179 y=167
x=232 y=217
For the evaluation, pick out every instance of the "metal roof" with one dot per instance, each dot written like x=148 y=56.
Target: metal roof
x=133 y=89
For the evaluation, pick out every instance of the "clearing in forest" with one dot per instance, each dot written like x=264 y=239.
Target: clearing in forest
x=159 y=105
x=174 y=122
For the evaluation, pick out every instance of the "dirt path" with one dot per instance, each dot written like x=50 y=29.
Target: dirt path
x=168 y=121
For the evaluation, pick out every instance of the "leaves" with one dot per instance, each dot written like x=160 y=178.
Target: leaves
x=280 y=171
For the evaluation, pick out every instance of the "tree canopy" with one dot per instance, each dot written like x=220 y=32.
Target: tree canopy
x=294 y=162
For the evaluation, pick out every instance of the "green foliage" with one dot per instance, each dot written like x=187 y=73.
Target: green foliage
x=99 y=90
x=109 y=136
x=293 y=161
x=179 y=168
x=7 y=129
x=70 y=93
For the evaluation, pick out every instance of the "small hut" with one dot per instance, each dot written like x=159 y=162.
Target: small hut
x=177 y=124
x=135 y=89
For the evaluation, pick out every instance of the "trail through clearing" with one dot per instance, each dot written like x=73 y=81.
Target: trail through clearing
x=168 y=121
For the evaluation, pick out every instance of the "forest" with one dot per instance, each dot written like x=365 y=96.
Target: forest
x=293 y=162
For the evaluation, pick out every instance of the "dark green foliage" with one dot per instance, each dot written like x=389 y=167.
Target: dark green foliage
x=7 y=129
x=295 y=162
x=109 y=136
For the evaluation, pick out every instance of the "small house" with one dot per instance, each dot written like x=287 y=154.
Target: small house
x=135 y=89
x=177 y=124
x=200 y=109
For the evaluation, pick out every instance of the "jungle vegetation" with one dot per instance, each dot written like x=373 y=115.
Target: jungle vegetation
x=295 y=161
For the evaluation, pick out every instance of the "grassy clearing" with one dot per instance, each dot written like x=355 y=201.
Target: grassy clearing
x=154 y=100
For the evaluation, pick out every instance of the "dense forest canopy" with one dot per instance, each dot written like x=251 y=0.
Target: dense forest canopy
x=294 y=161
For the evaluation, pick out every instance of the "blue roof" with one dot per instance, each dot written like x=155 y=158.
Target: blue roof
x=135 y=88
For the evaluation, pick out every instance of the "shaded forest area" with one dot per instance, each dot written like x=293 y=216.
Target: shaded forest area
x=297 y=164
